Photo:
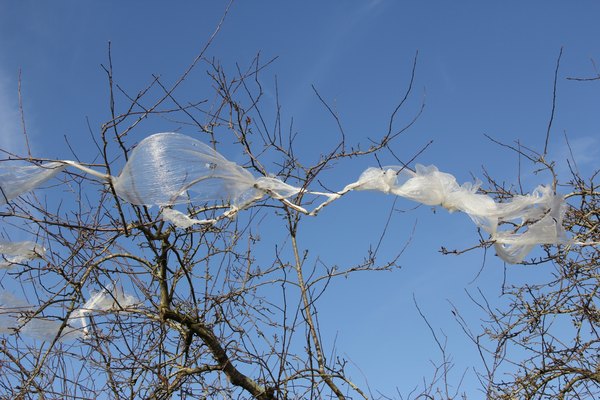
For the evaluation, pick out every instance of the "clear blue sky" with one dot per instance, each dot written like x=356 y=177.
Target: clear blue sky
x=483 y=67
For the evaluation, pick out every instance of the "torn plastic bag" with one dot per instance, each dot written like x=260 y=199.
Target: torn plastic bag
x=181 y=220
x=275 y=187
x=170 y=168
x=15 y=181
x=380 y=179
x=18 y=252
x=530 y=206
x=539 y=213
x=514 y=247
x=426 y=185
x=12 y=318
x=112 y=299
x=163 y=169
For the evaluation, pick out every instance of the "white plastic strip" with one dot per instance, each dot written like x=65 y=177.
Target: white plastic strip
x=12 y=253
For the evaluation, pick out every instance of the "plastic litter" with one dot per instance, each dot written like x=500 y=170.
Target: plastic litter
x=15 y=181
x=10 y=307
x=13 y=314
x=541 y=213
x=181 y=220
x=102 y=301
x=514 y=247
x=166 y=169
x=170 y=168
x=13 y=310
x=12 y=253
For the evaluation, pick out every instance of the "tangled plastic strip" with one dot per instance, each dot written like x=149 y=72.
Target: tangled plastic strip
x=103 y=301
x=181 y=220
x=12 y=310
x=166 y=169
x=541 y=212
x=16 y=180
x=12 y=253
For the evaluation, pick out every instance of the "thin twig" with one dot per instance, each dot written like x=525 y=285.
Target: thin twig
x=553 y=102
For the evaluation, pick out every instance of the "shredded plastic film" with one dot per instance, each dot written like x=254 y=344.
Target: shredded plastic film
x=540 y=213
x=13 y=318
x=13 y=313
x=170 y=168
x=12 y=253
x=103 y=301
x=166 y=169
x=15 y=181
x=181 y=220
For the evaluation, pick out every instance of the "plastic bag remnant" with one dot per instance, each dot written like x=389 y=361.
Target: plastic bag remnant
x=547 y=229
x=15 y=181
x=170 y=168
x=426 y=185
x=12 y=311
x=103 y=301
x=181 y=220
x=12 y=317
x=18 y=252
x=276 y=188
x=540 y=212
x=163 y=169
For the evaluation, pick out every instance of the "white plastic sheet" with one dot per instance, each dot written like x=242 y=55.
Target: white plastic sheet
x=513 y=247
x=170 y=168
x=15 y=181
x=113 y=299
x=165 y=169
x=13 y=313
x=538 y=216
x=181 y=220
x=12 y=253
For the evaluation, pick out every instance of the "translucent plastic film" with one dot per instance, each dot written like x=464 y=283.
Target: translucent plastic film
x=112 y=299
x=13 y=313
x=15 y=181
x=538 y=216
x=163 y=169
x=179 y=219
x=166 y=169
x=18 y=252
x=169 y=168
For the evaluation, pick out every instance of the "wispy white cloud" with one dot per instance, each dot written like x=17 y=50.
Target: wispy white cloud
x=581 y=152
x=11 y=137
x=374 y=3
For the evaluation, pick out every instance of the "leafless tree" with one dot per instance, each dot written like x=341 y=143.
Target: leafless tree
x=223 y=310
x=541 y=340
x=220 y=310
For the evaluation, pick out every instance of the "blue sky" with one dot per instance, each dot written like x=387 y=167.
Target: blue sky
x=483 y=68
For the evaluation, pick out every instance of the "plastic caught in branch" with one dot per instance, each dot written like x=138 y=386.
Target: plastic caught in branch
x=181 y=220
x=165 y=169
x=12 y=253
x=14 y=317
x=169 y=168
x=548 y=229
x=103 y=301
x=15 y=181
x=541 y=212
